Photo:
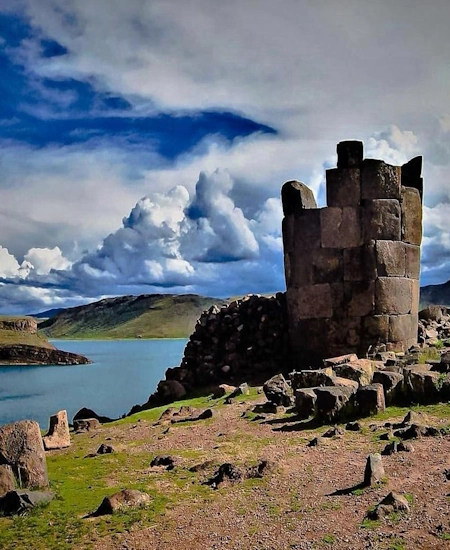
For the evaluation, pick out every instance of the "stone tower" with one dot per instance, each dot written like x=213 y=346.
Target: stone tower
x=352 y=268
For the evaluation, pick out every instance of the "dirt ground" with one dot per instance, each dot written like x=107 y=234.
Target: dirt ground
x=292 y=507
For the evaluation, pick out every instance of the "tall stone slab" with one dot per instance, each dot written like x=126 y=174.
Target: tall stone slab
x=352 y=268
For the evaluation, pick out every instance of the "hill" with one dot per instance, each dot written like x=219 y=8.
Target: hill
x=21 y=331
x=145 y=316
x=435 y=295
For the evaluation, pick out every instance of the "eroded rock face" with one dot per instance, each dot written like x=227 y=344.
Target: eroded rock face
x=22 y=449
x=58 y=436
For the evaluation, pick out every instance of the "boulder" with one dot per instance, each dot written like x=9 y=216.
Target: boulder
x=22 y=449
x=340 y=360
x=305 y=402
x=360 y=370
x=58 y=436
x=392 y=384
x=393 y=502
x=374 y=471
x=431 y=313
x=128 y=498
x=7 y=481
x=421 y=384
x=204 y=415
x=353 y=426
x=18 y=502
x=278 y=391
x=170 y=390
x=370 y=399
x=86 y=425
x=333 y=403
x=242 y=389
x=105 y=449
x=312 y=378
x=222 y=390
x=86 y=413
x=345 y=382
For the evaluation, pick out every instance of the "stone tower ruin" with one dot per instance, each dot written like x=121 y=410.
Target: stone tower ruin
x=352 y=267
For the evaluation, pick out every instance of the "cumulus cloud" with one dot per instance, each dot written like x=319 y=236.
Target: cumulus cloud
x=43 y=260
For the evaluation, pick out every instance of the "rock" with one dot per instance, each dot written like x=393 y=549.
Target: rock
x=345 y=382
x=7 y=481
x=86 y=425
x=360 y=370
x=392 y=384
x=24 y=354
x=411 y=432
x=405 y=447
x=242 y=389
x=413 y=417
x=226 y=471
x=170 y=390
x=268 y=407
x=353 y=427
x=374 y=471
x=128 y=498
x=85 y=413
x=105 y=449
x=207 y=413
x=222 y=390
x=431 y=313
x=335 y=431
x=421 y=384
x=305 y=402
x=22 y=449
x=370 y=399
x=340 y=360
x=169 y=462
x=332 y=403
x=316 y=441
x=278 y=391
x=18 y=502
x=312 y=378
x=390 y=449
x=393 y=502
x=58 y=436
x=263 y=467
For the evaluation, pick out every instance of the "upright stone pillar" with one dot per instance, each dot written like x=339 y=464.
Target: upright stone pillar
x=352 y=268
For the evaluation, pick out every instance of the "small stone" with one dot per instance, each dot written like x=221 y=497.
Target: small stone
x=128 y=498
x=374 y=471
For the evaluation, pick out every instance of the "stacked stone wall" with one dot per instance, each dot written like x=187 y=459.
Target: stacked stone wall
x=352 y=268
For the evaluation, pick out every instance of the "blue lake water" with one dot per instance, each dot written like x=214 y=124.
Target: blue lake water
x=123 y=373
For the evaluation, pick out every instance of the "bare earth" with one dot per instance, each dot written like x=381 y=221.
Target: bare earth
x=292 y=506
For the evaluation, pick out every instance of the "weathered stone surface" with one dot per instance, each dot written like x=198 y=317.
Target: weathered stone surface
x=288 y=231
x=392 y=384
x=22 y=449
x=58 y=436
x=340 y=360
x=18 y=502
x=370 y=399
x=349 y=153
x=343 y=334
x=412 y=261
x=128 y=498
x=412 y=174
x=86 y=425
x=310 y=301
x=360 y=371
x=391 y=258
x=343 y=187
x=307 y=229
x=393 y=295
x=89 y=413
x=7 y=481
x=242 y=389
x=278 y=391
x=360 y=264
x=376 y=328
x=331 y=402
x=402 y=327
x=312 y=378
x=305 y=402
x=411 y=216
x=341 y=227
x=381 y=220
x=415 y=300
x=374 y=471
x=345 y=382
x=422 y=385
x=361 y=298
x=431 y=313
x=223 y=389
x=296 y=196
x=391 y=503
x=327 y=265
x=380 y=180
x=299 y=269
x=171 y=390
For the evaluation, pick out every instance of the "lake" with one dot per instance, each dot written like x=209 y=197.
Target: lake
x=123 y=373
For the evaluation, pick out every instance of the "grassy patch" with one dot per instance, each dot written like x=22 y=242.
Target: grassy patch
x=329 y=539
x=370 y=523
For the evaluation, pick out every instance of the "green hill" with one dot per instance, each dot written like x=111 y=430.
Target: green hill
x=145 y=316
x=21 y=331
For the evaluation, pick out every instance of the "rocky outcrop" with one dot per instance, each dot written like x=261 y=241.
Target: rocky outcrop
x=21 y=449
x=21 y=354
x=22 y=324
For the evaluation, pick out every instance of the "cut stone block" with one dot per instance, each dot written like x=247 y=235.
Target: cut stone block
x=341 y=227
x=370 y=399
x=422 y=385
x=415 y=297
x=340 y=360
x=360 y=371
x=349 y=153
x=278 y=391
x=296 y=196
x=305 y=402
x=288 y=231
x=327 y=265
x=381 y=220
x=361 y=298
x=402 y=327
x=374 y=471
x=411 y=216
x=58 y=436
x=391 y=258
x=343 y=187
x=332 y=402
x=307 y=231
x=412 y=261
x=380 y=180
x=301 y=269
x=359 y=263
x=310 y=301
x=411 y=175
x=312 y=378
x=376 y=328
x=345 y=382
x=393 y=295
x=392 y=384
x=343 y=334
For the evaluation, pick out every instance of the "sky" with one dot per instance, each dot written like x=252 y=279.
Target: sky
x=143 y=144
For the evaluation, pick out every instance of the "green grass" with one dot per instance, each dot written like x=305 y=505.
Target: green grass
x=329 y=539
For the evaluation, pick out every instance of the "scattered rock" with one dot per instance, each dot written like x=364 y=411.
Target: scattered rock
x=334 y=432
x=19 y=502
x=86 y=425
x=58 y=436
x=226 y=471
x=353 y=426
x=169 y=462
x=128 y=498
x=105 y=449
x=278 y=391
x=85 y=413
x=207 y=413
x=222 y=390
x=7 y=481
x=374 y=471
x=390 y=449
x=331 y=403
x=316 y=441
x=411 y=432
x=243 y=389
x=393 y=502
x=305 y=402
x=370 y=399
x=312 y=378
x=202 y=466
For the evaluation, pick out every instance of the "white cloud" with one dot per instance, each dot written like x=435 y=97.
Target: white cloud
x=9 y=266
x=44 y=260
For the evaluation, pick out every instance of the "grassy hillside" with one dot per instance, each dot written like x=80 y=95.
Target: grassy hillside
x=146 y=316
x=435 y=295
x=11 y=337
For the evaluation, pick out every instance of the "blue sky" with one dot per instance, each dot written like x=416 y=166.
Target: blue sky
x=143 y=145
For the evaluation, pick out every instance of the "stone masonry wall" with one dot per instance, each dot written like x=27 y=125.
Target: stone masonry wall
x=352 y=268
